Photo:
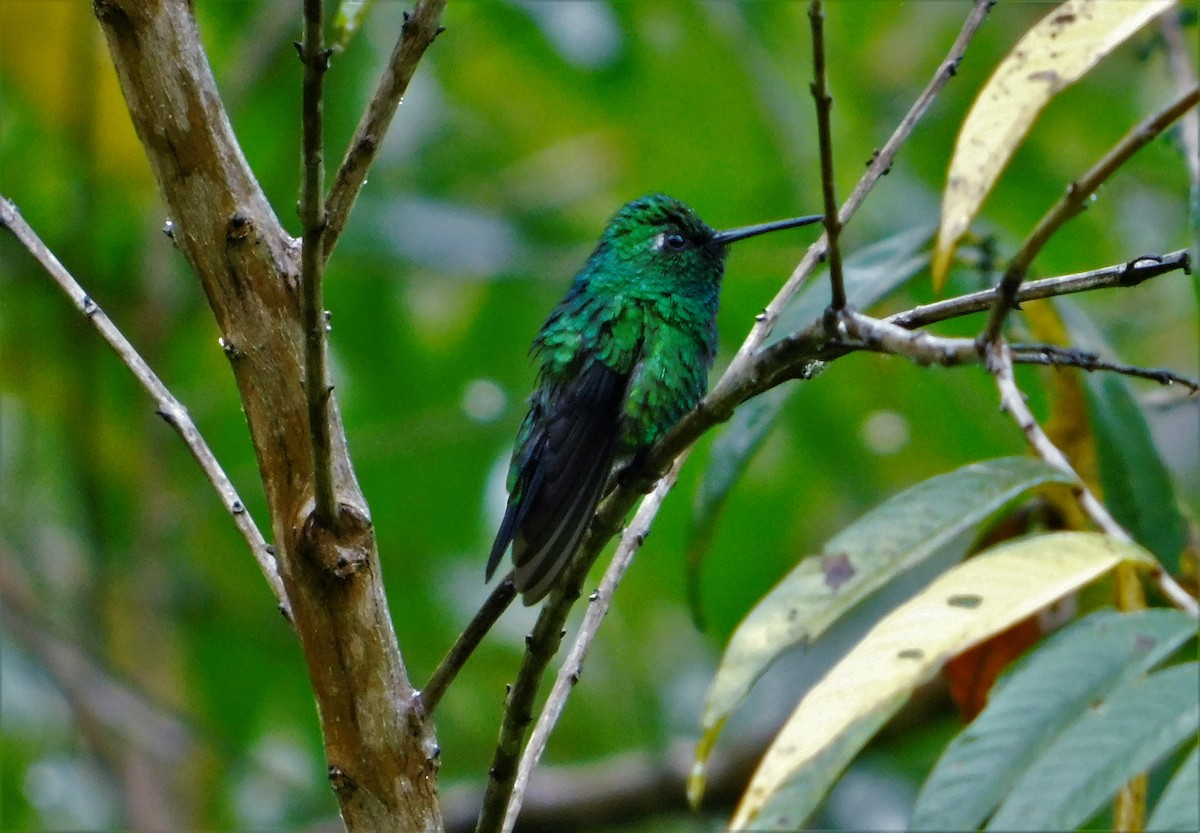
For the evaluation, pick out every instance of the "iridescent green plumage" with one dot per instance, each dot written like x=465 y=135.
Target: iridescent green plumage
x=623 y=357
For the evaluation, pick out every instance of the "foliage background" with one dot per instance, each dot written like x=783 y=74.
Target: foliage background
x=525 y=127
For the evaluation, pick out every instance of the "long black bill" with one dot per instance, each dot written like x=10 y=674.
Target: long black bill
x=723 y=238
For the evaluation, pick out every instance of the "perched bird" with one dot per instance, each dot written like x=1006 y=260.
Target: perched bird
x=623 y=356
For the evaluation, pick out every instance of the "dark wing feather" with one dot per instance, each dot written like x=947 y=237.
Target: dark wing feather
x=571 y=451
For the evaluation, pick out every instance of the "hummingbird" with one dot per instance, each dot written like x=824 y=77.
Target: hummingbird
x=623 y=357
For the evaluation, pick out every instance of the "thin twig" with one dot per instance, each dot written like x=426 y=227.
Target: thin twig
x=418 y=32
x=1074 y=201
x=495 y=605
x=880 y=165
x=1012 y=401
x=599 y=603
x=317 y=390
x=820 y=92
x=1119 y=275
x=169 y=408
x=540 y=647
x=1055 y=356
x=882 y=335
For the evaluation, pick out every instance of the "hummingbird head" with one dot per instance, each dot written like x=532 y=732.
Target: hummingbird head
x=659 y=239
x=659 y=235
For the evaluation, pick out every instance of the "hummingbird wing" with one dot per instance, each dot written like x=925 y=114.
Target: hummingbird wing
x=564 y=466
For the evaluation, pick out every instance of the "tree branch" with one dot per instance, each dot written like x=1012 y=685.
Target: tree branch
x=880 y=165
x=315 y=58
x=381 y=752
x=419 y=30
x=493 y=607
x=1012 y=401
x=1055 y=356
x=1074 y=201
x=820 y=92
x=1127 y=274
x=169 y=408
x=599 y=603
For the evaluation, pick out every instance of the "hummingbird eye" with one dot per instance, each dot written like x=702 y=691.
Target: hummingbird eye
x=674 y=241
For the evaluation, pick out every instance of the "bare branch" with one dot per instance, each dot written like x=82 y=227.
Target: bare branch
x=540 y=647
x=879 y=166
x=820 y=91
x=1055 y=356
x=419 y=30
x=1012 y=401
x=169 y=408
x=599 y=603
x=467 y=642
x=315 y=58
x=1075 y=200
x=1119 y=275
x=380 y=749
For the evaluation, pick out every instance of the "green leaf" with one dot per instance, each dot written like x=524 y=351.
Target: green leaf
x=1128 y=732
x=1138 y=488
x=1031 y=706
x=1179 y=806
x=968 y=604
x=891 y=539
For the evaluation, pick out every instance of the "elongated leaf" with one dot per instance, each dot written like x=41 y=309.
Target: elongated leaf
x=1138 y=724
x=889 y=540
x=1138 y=488
x=1179 y=806
x=1055 y=53
x=968 y=604
x=1032 y=705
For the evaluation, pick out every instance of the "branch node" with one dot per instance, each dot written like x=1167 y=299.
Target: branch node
x=231 y=351
x=1132 y=274
x=90 y=308
x=239 y=227
x=340 y=548
x=340 y=781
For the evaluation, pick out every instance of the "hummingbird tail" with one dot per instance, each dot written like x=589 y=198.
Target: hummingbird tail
x=562 y=479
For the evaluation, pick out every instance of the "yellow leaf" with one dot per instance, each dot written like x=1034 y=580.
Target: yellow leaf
x=1054 y=54
x=965 y=606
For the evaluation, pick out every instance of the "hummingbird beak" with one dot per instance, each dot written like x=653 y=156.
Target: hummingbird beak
x=724 y=238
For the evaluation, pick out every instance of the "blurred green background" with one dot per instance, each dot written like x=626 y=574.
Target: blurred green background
x=527 y=125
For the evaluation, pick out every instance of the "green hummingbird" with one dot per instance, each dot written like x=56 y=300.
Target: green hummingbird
x=623 y=357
